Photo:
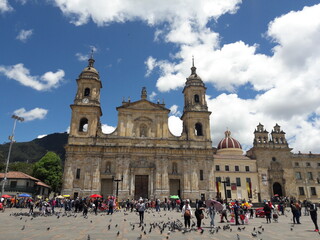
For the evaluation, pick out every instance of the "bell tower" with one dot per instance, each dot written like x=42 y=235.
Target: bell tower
x=195 y=117
x=86 y=110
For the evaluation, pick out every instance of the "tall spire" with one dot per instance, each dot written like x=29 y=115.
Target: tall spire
x=193 y=69
x=91 y=60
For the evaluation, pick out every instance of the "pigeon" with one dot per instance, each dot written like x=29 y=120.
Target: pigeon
x=238 y=237
x=48 y=228
x=23 y=227
x=140 y=237
x=254 y=229
x=88 y=238
x=254 y=234
x=109 y=227
x=118 y=233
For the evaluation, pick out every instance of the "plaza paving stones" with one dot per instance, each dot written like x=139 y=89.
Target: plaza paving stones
x=13 y=226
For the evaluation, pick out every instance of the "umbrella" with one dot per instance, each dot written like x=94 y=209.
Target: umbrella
x=60 y=196
x=67 y=195
x=96 y=196
x=24 y=195
x=174 y=197
x=217 y=205
x=6 y=196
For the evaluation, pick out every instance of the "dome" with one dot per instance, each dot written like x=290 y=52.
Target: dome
x=90 y=69
x=229 y=142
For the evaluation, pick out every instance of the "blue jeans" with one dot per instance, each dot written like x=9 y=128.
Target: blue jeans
x=212 y=215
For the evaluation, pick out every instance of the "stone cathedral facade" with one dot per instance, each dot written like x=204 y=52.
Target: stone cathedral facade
x=142 y=158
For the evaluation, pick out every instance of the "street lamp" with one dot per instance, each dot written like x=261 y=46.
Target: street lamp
x=117 y=181
x=225 y=189
x=11 y=138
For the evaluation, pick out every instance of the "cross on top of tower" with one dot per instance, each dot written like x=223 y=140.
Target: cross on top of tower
x=91 y=60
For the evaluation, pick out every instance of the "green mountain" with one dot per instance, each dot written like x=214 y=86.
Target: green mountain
x=34 y=150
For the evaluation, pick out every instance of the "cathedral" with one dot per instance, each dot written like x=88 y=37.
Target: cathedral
x=142 y=158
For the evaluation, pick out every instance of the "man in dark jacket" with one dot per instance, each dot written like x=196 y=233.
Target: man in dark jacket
x=313 y=214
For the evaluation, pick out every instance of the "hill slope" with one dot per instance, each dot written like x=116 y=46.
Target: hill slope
x=34 y=150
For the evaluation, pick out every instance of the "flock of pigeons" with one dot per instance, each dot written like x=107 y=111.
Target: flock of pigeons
x=167 y=228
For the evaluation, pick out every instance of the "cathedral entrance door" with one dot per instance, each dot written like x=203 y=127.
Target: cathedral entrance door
x=141 y=186
x=106 y=187
x=277 y=189
x=174 y=187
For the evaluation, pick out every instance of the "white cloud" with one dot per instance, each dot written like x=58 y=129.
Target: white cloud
x=152 y=11
x=107 y=129
x=21 y=74
x=4 y=6
x=36 y=113
x=24 y=35
x=152 y=96
x=288 y=81
x=82 y=57
x=174 y=110
x=42 y=136
x=175 y=125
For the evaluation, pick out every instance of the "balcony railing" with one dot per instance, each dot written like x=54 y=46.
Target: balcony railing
x=21 y=189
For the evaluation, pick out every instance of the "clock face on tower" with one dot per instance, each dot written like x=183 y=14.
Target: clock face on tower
x=85 y=100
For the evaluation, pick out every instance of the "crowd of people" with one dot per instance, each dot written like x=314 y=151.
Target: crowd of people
x=237 y=212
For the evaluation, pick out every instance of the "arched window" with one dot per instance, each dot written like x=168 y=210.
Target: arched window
x=143 y=130
x=108 y=167
x=83 y=127
x=259 y=139
x=198 y=129
x=174 y=168
x=264 y=140
x=277 y=141
x=87 y=92
x=196 y=98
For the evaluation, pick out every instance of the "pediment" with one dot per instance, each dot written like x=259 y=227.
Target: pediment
x=143 y=105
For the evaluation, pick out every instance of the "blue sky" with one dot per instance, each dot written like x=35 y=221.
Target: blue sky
x=258 y=58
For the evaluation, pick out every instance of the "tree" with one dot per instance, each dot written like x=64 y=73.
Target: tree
x=21 y=167
x=49 y=170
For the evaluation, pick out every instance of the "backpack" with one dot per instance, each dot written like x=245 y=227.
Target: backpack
x=187 y=213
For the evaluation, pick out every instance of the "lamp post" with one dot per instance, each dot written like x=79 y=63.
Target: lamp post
x=225 y=189
x=11 y=138
x=117 y=181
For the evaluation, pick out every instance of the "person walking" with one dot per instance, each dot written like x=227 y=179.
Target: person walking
x=236 y=207
x=267 y=211
x=224 y=212
x=212 y=213
x=110 y=206
x=141 y=207
x=199 y=213
x=187 y=214
x=313 y=213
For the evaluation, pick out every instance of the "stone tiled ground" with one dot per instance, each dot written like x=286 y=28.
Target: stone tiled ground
x=96 y=227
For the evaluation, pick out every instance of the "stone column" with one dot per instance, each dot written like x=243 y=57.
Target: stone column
x=151 y=177
x=68 y=179
x=165 y=177
x=96 y=179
